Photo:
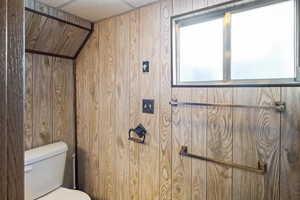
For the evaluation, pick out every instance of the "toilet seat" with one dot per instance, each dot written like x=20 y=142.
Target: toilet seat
x=65 y=194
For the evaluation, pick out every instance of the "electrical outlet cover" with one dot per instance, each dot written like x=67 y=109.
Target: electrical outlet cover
x=148 y=106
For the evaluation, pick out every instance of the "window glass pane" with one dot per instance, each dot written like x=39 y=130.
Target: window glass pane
x=263 y=42
x=201 y=51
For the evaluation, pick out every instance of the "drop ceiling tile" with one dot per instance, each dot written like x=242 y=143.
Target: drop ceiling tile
x=55 y=3
x=140 y=3
x=95 y=10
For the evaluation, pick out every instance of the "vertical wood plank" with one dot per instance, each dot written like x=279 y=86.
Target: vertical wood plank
x=107 y=107
x=134 y=105
x=88 y=116
x=122 y=91
x=198 y=4
x=165 y=109
x=34 y=25
x=28 y=116
x=15 y=98
x=182 y=6
x=290 y=145
x=199 y=129
x=82 y=63
x=3 y=100
x=94 y=113
x=150 y=51
x=181 y=133
x=219 y=145
x=42 y=100
x=63 y=111
x=256 y=136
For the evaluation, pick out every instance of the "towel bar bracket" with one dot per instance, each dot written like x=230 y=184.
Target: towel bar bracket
x=280 y=106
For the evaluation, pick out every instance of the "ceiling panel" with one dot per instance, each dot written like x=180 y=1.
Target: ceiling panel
x=55 y=3
x=95 y=10
x=140 y=3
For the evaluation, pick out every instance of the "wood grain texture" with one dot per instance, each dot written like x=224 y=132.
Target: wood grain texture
x=134 y=102
x=181 y=133
x=72 y=41
x=52 y=36
x=49 y=107
x=40 y=7
x=42 y=101
x=122 y=90
x=3 y=100
x=88 y=116
x=164 y=107
x=256 y=136
x=82 y=115
x=93 y=117
x=49 y=37
x=150 y=51
x=182 y=6
x=198 y=147
x=63 y=111
x=290 y=146
x=198 y=4
x=34 y=25
x=15 y=99
x=107 y=37
x=155 y=170
x=219 y=145
x=28 y=116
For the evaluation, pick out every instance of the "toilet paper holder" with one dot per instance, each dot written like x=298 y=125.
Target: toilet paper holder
x=140 y=131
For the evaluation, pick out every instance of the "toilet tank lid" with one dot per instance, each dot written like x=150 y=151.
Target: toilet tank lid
x=44 y=152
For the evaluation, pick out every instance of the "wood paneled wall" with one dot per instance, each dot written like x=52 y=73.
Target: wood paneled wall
x=51 y=31
x=49 y=105
x=11 y=99
x=48 y=10
x=110 y=89
x=3 y=101
x=52 y=36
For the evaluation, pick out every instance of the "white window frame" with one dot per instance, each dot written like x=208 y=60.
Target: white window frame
x=225 y=10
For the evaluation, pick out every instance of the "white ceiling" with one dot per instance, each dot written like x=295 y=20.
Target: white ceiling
x=95 y=10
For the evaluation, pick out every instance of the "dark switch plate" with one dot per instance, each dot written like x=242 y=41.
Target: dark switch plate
x=148 y=106
x=146 y=66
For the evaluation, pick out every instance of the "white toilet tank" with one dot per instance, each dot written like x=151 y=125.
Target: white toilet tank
x=44 y=169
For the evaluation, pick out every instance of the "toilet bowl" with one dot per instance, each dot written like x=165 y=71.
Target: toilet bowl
x=44 y=172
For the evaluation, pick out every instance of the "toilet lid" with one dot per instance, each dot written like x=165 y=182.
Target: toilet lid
x=65 y=194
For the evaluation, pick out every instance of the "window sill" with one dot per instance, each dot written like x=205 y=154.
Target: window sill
x=241 y=83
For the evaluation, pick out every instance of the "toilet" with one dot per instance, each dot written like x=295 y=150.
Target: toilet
x=44 y=171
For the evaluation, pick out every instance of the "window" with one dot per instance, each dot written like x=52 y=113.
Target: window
x=201 y=51
x=243 y=44
x=268 y=51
